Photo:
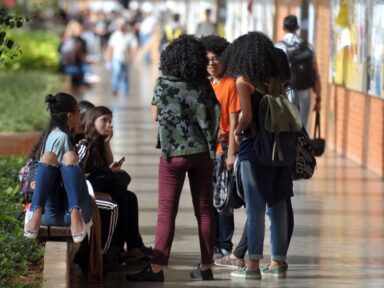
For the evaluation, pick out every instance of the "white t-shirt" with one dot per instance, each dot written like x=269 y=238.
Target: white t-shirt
x=121 y=44
x=205 y=28
x=290 y=39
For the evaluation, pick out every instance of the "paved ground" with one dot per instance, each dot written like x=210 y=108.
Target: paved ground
x=339 y=215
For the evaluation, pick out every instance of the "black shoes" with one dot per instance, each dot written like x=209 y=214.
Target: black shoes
x=199 y=274
x=147 y=275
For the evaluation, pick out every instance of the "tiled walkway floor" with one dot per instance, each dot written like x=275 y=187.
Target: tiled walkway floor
x=338 y=239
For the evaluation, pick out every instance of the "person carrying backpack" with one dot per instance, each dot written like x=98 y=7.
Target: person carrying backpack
x=251 y=59
x=303 y=65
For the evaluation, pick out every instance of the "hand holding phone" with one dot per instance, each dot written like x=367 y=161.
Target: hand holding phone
x=120 y=162
x=115 y=166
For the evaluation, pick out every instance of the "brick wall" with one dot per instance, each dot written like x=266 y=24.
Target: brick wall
x=352 y=122
x=18 y=143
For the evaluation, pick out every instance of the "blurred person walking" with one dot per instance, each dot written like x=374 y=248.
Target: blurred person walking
x=304 y=69
x=121 y=50
x=172 y=30
x=206 y=27
x=73 y=54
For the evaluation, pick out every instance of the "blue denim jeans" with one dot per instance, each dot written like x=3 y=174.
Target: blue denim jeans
x=58 y=190
x=225 y=228
x=119 y=77
x=224 y=224
x=302 y=99
x=256 y=207
x=77 y=74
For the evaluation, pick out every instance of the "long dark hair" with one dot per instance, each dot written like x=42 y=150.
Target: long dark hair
x=97 y=153
x=58 y=105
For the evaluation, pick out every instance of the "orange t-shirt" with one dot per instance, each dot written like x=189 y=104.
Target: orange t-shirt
x=228 y=98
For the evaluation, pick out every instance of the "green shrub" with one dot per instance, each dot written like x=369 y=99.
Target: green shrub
x=22 y=95
x=39 y=50
x=17 y=253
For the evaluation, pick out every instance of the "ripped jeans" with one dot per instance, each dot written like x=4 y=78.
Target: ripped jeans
x=59 y=189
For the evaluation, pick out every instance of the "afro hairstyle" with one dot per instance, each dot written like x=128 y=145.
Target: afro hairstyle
x=251 y=56
x=282 y=65
x=215 y=44
x=184 y=58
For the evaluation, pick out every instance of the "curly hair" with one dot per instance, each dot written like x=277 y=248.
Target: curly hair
x=215 y=44
x=282 y=65
x=184 y=58
x=252 y=56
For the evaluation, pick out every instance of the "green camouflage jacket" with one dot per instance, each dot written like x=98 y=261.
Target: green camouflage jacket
x=188 y=115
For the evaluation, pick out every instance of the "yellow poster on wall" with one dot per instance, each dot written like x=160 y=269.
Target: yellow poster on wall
x=342 y=18
x=355 y=77
x=356 y=71
x=339 y=73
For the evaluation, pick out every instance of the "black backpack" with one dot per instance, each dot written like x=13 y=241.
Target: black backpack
x=300 y=57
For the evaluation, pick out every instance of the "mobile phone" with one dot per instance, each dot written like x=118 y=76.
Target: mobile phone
x=120 y=162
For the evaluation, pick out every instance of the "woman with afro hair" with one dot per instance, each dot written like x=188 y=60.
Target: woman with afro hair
x=251 y=58
x=188 y=113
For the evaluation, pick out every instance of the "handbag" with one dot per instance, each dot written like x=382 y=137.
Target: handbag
x=317 y=142
x=305 y=162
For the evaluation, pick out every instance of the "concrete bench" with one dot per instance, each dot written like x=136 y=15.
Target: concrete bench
x=60 y=251
x=58 y=254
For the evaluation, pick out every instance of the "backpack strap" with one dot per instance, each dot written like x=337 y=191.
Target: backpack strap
x=288 y=45
x=274 y=87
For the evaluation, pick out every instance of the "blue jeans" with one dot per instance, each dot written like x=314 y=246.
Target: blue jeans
x=59 y=190
x=224 y=224
x=302 y=99
x=255 y=207
x=77 y=73
x=144 y=38
x=119 y=77
x=225 y=227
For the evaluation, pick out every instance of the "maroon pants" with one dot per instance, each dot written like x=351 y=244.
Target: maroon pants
x=171 y=180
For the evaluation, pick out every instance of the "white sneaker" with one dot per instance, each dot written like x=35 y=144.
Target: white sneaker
x=29 y=233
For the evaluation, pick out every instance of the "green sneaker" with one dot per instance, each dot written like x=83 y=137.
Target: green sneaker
x=243 y=273
x=276 y=272
x=284 y=266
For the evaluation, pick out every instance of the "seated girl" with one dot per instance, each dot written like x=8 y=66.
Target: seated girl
x=61 y=196
x=106 y=175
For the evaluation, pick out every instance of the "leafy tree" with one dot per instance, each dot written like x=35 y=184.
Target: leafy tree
x=8 y=48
